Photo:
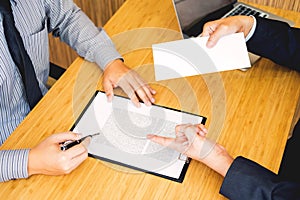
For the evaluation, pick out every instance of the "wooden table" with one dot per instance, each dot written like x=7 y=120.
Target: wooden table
x=251 y=113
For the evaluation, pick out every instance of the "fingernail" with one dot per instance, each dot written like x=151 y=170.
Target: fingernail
x=79 y=135
x=203 y=128
x=202 y=133
x=109 y=98
x=149 y=136
x=152 y=100
x=209 y=44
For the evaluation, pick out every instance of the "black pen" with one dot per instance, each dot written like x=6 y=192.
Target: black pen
x=68 y=145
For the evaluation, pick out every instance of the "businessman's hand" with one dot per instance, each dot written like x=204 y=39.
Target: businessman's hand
x=191 y=140
x=47 y=157
x=118 y=74
x=187 y=141
x=219 y=28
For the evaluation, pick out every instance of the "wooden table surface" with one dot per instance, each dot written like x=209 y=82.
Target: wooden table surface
x=250 y=113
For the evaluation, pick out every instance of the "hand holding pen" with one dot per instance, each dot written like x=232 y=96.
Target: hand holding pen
x=70 y=144
x=48 y=158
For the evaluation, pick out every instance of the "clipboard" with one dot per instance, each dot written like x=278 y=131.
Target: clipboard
x=123 y=129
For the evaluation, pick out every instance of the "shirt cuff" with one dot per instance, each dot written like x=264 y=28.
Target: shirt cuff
x=13 y=164
x=250 y=34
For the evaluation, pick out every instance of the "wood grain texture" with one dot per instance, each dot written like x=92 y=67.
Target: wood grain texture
x=250 y=113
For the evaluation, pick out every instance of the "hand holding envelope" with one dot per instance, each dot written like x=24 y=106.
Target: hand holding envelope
x=190 y=57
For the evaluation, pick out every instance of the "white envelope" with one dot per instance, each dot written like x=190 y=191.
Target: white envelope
x=190 y=57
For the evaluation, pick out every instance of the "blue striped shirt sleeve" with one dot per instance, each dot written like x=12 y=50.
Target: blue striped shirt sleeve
x=13 y=164
x=68 y=22
x=34 y=20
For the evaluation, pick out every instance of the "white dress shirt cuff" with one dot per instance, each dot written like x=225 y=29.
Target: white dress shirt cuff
x=250 y=34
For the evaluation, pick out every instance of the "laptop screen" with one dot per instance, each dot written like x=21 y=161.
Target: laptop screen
x=191 y=12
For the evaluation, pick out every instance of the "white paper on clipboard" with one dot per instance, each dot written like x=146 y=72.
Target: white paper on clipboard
x=123 y=139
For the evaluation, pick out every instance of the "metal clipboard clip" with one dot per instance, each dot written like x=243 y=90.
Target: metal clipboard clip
x=183 y=158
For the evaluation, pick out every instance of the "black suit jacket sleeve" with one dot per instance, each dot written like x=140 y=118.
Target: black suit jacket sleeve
x=277 y=41
x=248 y=180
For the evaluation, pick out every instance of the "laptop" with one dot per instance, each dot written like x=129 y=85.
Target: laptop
x=193 y=14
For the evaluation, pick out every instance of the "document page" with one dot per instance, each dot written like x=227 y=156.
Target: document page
x=123 y=129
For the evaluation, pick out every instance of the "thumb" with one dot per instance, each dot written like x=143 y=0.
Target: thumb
x=210 y=30
x=109 y=90
x=213 y=39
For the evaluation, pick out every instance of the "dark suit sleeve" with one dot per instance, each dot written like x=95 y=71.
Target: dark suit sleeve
x=277 y=41
x=248 y=180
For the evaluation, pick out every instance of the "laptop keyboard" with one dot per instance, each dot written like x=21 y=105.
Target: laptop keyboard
x=246 y=10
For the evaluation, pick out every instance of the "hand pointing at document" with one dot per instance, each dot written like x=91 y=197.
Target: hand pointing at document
x=191 y=140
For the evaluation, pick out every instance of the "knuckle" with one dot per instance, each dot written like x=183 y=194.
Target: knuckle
x=68 y=171
x=189 y=128
x=64 y=164
x=223 y=27
x=85 y=155
x=62 y=159
x=66 y=168
x=143 y=95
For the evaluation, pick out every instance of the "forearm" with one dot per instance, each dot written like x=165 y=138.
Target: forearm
x=248 y=180
x=214 y=155
x=277 y=41
x=220 y=161
x=73 y=26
